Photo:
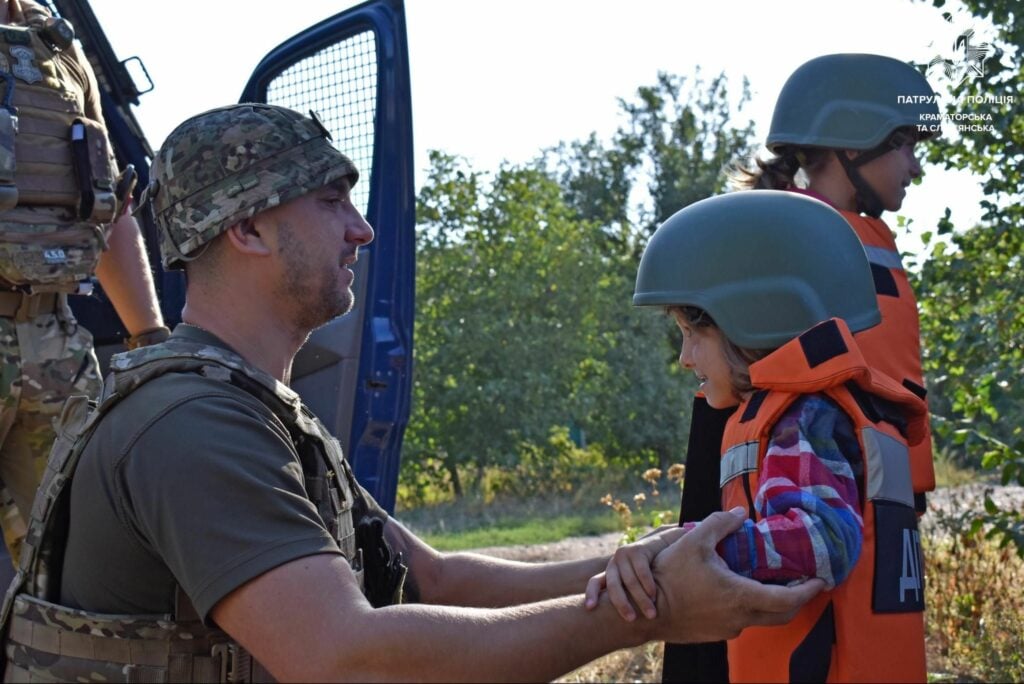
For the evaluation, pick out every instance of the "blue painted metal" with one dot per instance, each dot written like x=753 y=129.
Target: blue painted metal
x=382 y=403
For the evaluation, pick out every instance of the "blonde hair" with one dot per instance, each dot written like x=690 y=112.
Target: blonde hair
x=737 y=358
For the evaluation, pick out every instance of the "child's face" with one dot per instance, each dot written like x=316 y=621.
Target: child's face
x=704 y=353
x=891 y=173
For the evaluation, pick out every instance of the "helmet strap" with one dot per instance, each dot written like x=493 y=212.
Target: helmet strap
x=868 y=201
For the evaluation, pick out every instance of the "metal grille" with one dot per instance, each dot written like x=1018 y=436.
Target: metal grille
x=340 y=84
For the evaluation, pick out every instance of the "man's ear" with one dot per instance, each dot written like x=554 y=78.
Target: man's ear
x=246 y=238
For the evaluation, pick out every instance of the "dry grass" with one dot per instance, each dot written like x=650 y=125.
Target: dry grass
x=975 y=614
x=641 y=664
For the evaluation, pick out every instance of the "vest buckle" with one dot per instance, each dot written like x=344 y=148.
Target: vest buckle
x=235 y=662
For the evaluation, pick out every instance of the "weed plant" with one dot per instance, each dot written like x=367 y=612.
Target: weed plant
x=975 y=600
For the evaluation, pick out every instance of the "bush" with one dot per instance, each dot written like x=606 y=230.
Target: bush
x=975 y=606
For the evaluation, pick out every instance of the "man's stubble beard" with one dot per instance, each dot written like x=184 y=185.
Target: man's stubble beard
x=318 y=300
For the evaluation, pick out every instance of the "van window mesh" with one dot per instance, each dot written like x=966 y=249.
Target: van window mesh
x=339 y=83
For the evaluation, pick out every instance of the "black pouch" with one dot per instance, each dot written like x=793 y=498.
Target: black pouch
x=899 y=570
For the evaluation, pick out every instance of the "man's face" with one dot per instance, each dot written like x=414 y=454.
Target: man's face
x=318 y=237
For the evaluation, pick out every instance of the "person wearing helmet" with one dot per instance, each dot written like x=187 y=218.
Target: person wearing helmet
x=773 y=292
x=202 y=525
x=844 y=130
x=849 y=125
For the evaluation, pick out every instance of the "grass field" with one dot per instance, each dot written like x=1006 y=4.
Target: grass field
x=975 y=614
x=472 y=525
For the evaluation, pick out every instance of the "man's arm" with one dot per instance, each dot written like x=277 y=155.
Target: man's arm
x=124 y=273
x=306 y=620
x=475 y=580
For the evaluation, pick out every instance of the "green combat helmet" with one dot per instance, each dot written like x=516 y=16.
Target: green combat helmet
x=765 y=265
x=854 y=102
x=227 y=164
x=851 y=102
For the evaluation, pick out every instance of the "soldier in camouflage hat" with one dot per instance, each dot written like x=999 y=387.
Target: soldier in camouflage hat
x=202 y=492
x=269 y=156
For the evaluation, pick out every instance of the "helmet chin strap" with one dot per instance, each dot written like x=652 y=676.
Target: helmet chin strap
x=868 y=201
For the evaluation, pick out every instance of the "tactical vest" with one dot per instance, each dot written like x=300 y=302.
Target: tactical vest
x=870 y=628
x=894 y=346
x=48 y=642
x=57 y=178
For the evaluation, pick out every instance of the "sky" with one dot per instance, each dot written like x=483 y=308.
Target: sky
x=499 y=81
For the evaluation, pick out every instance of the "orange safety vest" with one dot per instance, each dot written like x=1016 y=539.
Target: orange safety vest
x=871 y=627
x=894 y=346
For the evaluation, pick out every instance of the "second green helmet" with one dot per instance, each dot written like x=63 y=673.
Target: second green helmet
x=766 y=266
x=851 y=101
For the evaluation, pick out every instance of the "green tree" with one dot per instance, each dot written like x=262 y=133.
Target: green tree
x=972 y=303
x=524 y=286
x=677 y=139
x=506 y=332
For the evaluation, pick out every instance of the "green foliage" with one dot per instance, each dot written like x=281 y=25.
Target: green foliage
x=506 y=329
x=526 y=531
x=972 y=292
x=686 y=135
x=670 y=153
x=525 y=329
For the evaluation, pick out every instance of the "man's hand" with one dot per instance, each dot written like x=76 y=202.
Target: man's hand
x=628 y=577
x=701 y=599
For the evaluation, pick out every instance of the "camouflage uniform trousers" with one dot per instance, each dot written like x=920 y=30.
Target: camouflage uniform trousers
x=46 y=359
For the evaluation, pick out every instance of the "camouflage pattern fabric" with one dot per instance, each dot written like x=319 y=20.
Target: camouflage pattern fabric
x=268 y=155
x=49 y=642
x=44 y=248
x=45 y=360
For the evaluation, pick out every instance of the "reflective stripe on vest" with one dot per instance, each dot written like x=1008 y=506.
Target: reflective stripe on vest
x=888 y=461
x=893 y=346
x=884 y=257
x=739 y=459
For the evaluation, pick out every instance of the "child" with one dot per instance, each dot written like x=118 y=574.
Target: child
x=844 y=131
x=766 y=288
x=849 y=123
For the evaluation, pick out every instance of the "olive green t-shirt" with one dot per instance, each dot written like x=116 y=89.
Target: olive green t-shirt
x=188 y=481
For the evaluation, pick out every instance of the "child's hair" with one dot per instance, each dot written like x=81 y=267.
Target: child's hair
x=778 y=172
x=738 y=358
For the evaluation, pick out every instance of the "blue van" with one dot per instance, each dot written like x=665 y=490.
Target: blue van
x=356 y=372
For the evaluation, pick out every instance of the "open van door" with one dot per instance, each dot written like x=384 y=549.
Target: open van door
x=355 y=373
x=352 y=69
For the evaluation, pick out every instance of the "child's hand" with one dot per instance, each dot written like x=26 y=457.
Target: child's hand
x=628 y=579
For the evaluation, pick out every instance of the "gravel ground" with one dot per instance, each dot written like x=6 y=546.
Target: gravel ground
x=944 y=504
x=956 y=503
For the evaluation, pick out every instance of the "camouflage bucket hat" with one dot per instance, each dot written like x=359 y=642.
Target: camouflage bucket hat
x=227 y=164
